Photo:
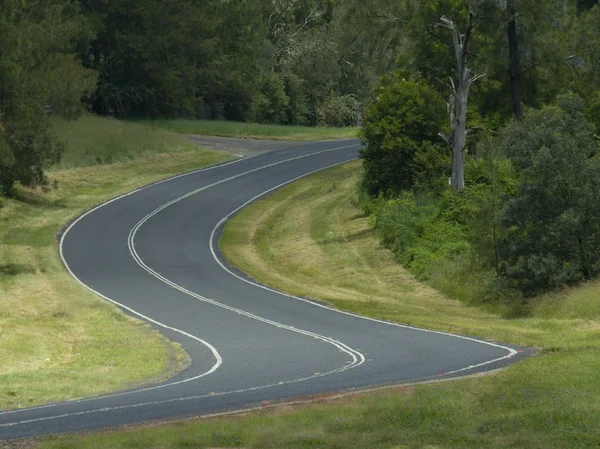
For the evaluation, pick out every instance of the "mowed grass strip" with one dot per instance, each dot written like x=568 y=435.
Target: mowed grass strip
x=59 y=341
x=252 y=130
x=309 y=239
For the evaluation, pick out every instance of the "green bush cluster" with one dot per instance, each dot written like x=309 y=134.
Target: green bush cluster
x=528 y=220
x=401 y=129
x=447 y=239
x=341 y=111
x=553 y=221
x=280 y=102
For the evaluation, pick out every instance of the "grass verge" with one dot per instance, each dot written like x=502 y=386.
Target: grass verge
x=309 y=239
x=59 y=341
x=252 y=130
x=94 y=140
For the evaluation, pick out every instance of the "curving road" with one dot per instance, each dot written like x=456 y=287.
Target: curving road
x=154 y=252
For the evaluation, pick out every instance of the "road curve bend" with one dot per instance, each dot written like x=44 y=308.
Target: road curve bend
x=154 y=253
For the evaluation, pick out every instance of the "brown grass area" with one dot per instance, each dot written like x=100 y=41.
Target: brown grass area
x=325 y=248
x=58 y=340
x=309 y=239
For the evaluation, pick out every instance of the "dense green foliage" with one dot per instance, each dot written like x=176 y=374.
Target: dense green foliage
x=449 y=239
x=271 y=61
x=527 y=220
x=38 y=70
x=401 y=128
x=553 y=222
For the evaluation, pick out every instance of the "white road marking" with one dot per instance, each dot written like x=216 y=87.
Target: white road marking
x=357 y=357
x=216 y=355
x=343 y=347
x=511 y=352
x=218 y=358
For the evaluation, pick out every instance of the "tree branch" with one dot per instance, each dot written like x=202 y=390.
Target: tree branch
x=444 y=136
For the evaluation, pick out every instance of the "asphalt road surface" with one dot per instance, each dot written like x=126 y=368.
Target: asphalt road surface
x=154 y=252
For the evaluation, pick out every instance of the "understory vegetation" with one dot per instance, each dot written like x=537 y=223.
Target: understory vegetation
x=486 y=186
x=527 y=221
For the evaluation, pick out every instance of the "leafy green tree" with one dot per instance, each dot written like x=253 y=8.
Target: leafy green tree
x=272 y=104
x=553 y=223
x=401 y=135
x=143 y=54
x=39 y=74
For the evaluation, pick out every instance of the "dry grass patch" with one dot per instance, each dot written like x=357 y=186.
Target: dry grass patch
x=310 y=239
x=59 y=341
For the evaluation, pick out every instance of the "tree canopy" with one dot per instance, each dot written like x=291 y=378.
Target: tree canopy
x=39 y=72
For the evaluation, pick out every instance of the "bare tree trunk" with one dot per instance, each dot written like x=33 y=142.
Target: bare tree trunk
x=513 y=53
x=459 y=133
x=457 y=105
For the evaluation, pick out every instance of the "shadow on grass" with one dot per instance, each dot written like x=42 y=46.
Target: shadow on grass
x=14 y=269
x=37 y=198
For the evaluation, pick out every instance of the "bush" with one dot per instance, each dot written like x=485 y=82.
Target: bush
x=26 y=148
x=340 y=111
x=553 y=222
x=448 y=239
x=299 y=112
x=400 y=131
x=424 y=231
x=271 y=104
x=593 y=111
x=401 y=221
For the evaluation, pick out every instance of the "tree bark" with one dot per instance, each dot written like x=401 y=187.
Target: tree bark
x=459 y=131
x=459 y=95
x=513 y=54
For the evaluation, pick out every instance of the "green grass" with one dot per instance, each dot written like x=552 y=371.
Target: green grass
x=309 y=239
x=252 y=130
x=93 y=140
x=59 y=341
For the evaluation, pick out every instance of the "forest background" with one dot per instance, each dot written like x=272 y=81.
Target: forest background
x=521 y=221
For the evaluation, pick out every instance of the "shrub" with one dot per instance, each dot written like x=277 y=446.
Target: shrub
x=271 y=104
x=593 y=111
x=342 y=110
x=298 y=111
x=425 y=230
x=553 y=222
x=400 y=132
x=401 y=221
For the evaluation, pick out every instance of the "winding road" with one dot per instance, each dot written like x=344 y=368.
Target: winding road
x=154 y=252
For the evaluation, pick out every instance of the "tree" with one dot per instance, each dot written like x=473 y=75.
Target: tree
x=39 y=73
x=553 y=223
x=400 y=132
x=459 y=95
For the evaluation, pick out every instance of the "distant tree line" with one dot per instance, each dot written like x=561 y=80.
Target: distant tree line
x=302 y=62
x=275 y=61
